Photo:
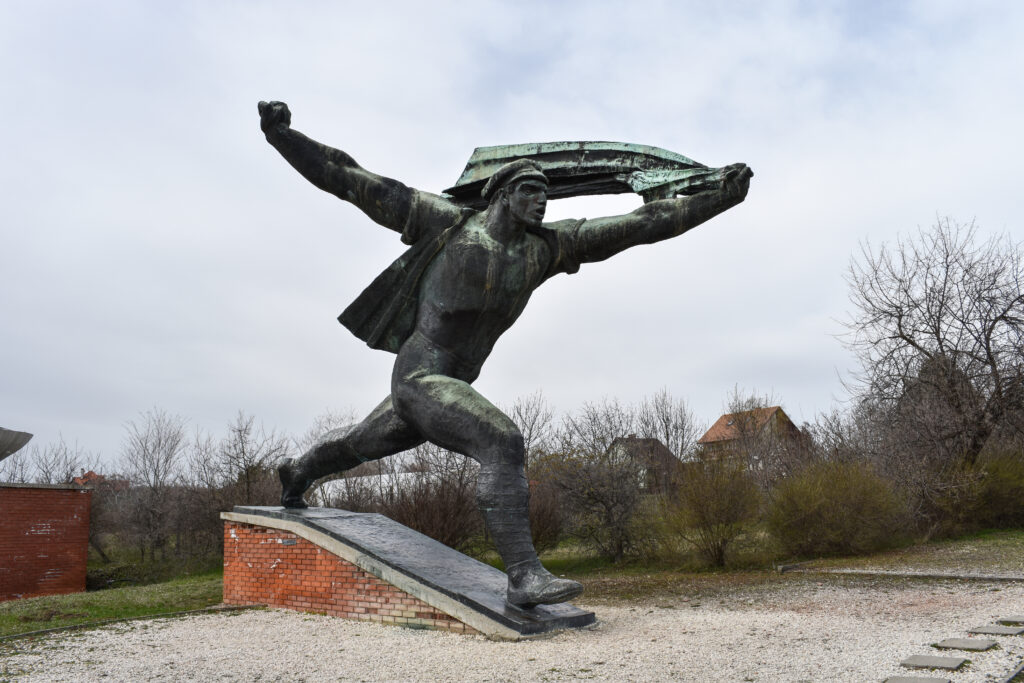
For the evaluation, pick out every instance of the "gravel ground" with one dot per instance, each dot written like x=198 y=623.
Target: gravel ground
x=839 y=629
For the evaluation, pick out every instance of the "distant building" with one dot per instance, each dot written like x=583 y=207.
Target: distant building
x=749 y=430
x=659 y=469
x=93 y=480
x=89 y=478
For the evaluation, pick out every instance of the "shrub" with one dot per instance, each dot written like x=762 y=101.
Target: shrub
x=1001 y=503
x=715 y=500
x=546 y=518
x=439 y=499
x=602 y=498
x=835 y=508
x=950 y=506
x=443 y=509
x=435 y=496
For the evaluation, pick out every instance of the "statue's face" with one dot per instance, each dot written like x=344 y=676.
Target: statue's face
x=527 y=202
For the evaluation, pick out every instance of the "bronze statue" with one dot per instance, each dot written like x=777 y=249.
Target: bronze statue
x=445 y=302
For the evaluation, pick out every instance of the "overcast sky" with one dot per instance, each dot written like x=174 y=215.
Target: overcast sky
x=156 y=251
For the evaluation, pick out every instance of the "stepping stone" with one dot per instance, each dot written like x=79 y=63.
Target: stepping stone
x=993 y=630
x=916 y=679
x=970 y=644
x=930 y=662
x=1016 y=619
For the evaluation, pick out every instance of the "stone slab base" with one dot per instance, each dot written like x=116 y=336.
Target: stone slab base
x=368 y=567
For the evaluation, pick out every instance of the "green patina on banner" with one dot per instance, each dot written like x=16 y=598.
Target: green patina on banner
x=587 y=168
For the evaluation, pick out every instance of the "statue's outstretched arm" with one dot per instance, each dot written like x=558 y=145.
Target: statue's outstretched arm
x=384 y=200
x=658 y=220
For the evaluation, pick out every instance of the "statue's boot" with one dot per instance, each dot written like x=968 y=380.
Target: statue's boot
x=529 y=584
x=294 y=483
x=297 y=475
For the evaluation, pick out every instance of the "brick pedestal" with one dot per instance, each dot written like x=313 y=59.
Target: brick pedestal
x=278 y=568
x=368 y=567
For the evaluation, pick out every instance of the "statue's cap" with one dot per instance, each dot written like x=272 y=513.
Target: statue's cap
x=510 y=173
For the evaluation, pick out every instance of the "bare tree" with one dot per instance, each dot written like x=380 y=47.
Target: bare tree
x=603 y=497
x=55 y=463
x=535 y=419
x=600 y=487
x=938 y=327
x=153 y=448
x=106 y=511
x=671 y=421
x=355 y=493
x=203 y=467
x=15 y=469
x=248 y=455
x=848 y=436
x=593 y=428
x=205 y=491
x=440 y=499
x=152 y=452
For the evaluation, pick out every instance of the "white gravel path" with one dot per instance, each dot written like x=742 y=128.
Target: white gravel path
x=857 y=631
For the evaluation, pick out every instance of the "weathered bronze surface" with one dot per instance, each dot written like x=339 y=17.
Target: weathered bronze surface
x=11 y=441
x=465 y=279
x=581 y=168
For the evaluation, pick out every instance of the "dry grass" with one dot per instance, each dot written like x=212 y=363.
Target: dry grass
x=990 y=552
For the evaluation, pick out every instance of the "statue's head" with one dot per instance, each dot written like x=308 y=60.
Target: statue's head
x=522 y=188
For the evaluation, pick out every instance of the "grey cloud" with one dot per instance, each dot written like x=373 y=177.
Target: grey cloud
x=157 y=251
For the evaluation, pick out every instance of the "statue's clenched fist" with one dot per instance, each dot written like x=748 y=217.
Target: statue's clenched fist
x=273 y=115
x=736 y=179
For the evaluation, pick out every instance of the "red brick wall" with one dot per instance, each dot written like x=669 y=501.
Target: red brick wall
x=44 y=540
x=277 y=568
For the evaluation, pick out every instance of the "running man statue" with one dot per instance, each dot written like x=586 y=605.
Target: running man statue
x=443 y=304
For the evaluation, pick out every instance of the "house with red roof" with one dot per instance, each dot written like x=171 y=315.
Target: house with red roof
x=735 y=433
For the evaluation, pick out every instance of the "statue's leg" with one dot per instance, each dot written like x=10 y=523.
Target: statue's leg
x=381 y=434
x=450 y=413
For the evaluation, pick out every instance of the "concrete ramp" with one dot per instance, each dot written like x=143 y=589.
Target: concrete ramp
x=465 y=589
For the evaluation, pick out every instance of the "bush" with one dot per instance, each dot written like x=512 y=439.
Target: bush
x=1001 y=503
x=436 y=497
x=950 y=505
x=716 y=500
x=602 y=498
x=443 y=509
x=546 y=519
x=835 y=508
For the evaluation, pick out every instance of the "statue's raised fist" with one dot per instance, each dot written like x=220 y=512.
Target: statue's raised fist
x=273 y=114
x=737 y=178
